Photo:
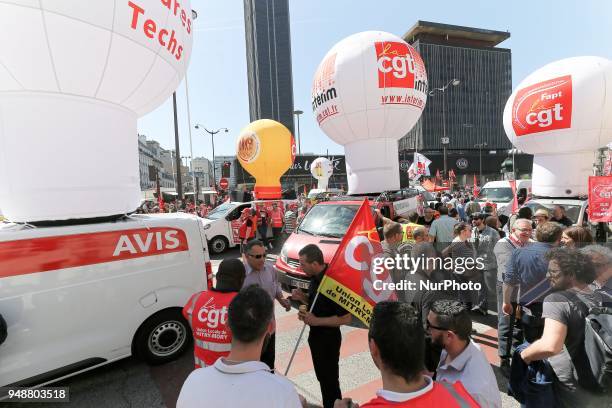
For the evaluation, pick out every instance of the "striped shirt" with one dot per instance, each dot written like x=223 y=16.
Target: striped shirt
x=290 y=221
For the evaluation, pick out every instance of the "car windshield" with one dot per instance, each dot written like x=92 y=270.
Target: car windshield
x=571 y=211
x=220 y=212
x=328 y=220
x=496 y=194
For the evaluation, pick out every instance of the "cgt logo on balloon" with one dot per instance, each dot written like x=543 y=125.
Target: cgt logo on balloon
x=543 y=106
x=400 y=66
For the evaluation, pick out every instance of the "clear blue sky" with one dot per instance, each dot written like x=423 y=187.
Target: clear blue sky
x=542 y=31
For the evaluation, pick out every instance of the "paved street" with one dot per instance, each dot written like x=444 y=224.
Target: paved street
x=130 y=383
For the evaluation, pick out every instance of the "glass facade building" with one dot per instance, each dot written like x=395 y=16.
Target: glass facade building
x=469 y=114
x=471 y=111
x=268 y=54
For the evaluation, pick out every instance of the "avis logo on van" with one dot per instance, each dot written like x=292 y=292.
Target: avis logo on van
x=543 y=106
x=143 y=243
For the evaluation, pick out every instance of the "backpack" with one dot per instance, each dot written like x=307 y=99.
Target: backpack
x=598 y=345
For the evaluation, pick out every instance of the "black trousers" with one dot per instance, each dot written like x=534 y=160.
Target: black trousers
x=263 y=233
x=276 y=232
x=268 y=353
x=325 y=350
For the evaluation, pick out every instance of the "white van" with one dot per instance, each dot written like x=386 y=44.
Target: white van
x=500 y=193
x=78 y=297
x=222 y=224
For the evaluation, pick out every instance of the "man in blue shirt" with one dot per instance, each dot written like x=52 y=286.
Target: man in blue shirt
x=526 y=272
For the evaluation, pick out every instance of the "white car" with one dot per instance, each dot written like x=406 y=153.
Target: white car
x=221 y=225
x=78 y=297
x=575 y=208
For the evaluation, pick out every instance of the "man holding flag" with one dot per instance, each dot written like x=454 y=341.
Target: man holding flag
x=347 y=284
x=324 y=318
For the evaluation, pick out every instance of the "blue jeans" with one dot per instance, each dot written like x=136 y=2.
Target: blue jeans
x=504 y=332
x=487 y=281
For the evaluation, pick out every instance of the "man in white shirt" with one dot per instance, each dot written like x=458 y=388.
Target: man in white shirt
x=240 y=379
x=520 y=237
x=461 y=360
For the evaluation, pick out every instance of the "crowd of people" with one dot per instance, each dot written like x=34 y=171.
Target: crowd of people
x=541 y=275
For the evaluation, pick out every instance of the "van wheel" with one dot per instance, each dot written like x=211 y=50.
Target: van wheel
x=218 y=245
x=163 y=337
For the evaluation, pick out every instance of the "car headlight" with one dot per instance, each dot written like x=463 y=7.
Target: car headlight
x=283 y=254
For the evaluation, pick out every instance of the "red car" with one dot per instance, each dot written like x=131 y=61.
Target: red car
x=325 y=225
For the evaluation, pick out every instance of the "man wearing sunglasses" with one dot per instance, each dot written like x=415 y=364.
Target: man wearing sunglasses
x=461 y=360
x=260 y=273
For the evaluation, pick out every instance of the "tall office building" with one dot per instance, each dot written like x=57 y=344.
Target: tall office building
x=470 y=112
x=268 y=48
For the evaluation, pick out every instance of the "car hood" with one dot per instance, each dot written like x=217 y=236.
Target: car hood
x=296 y=242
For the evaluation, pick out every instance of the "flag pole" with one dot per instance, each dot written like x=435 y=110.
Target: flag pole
x=297 y=344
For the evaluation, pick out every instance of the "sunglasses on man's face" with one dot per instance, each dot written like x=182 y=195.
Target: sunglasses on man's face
x=258 y=256
x=431 y=326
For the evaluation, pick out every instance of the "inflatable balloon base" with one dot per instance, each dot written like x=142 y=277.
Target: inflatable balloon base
x=267 y=193
x=372 y=173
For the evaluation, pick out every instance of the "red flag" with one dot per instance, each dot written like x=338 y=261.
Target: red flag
x=160 y=203
x=351 y=277
x=476 y=189
x=600 y=205
x=514 y=208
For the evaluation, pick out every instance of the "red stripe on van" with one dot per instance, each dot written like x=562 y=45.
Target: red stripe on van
x=69 y=251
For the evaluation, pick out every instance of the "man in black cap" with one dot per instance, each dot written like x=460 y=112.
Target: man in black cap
x=206 y=312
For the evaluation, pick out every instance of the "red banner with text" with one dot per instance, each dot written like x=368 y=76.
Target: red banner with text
x=600 y=198
x=34 y=255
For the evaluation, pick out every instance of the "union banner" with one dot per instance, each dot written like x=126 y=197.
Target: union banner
x=600 y=198
x=349 y=280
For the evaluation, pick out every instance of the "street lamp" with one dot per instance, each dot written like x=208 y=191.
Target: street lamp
x=445 y=140
x=212 y=138
x=479 y=146
x=297 y=113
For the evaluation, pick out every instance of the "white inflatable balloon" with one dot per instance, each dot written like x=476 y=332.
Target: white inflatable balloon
x=74 y=77
x=322 y=169
x=561 y=114
x=368 y=92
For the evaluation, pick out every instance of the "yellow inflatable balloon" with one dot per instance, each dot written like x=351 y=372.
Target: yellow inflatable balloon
x=266 y=149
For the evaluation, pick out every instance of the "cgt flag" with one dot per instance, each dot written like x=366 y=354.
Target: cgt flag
x=349 y=280
x=600 y=198
x=476 y=188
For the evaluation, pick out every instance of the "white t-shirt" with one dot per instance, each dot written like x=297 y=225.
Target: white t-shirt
x=249 y=384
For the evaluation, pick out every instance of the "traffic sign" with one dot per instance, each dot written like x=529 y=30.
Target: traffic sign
x=223 y=183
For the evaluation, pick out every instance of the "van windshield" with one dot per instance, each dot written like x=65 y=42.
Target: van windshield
x=496 y=194
x=220 y=212
x=328 y=220
x=571 y=211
